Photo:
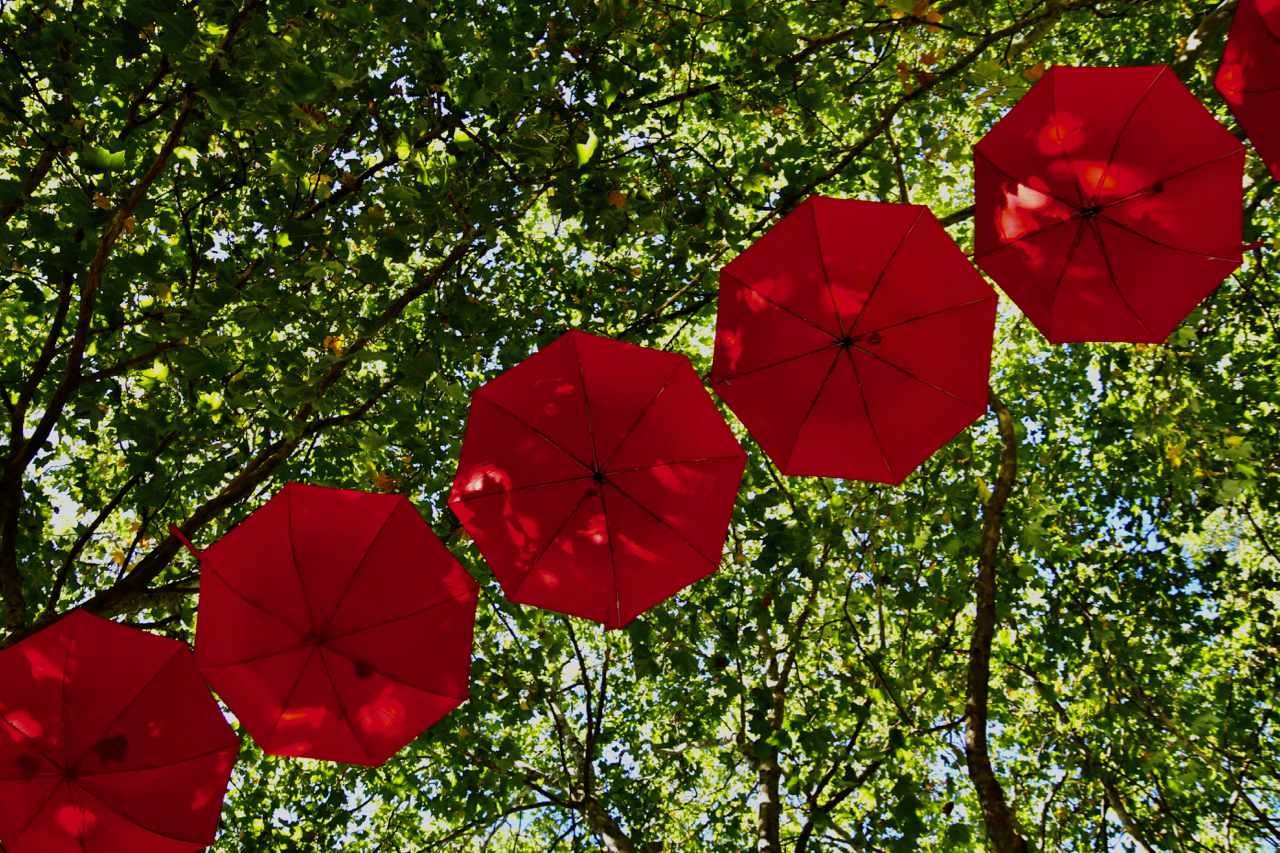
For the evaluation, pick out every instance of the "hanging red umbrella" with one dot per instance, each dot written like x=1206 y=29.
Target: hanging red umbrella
x=597 y=478
x=109 y=742
x=1249 y=76
x=853 y=339
x=334 y=624
x=1108 y=204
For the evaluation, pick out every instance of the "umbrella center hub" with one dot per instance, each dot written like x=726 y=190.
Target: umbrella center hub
x=597 y=475
x=311 y=638
x=849 y=340
x=1091 y=211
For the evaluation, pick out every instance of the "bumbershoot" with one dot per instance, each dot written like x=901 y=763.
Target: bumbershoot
x=1109 y=204
x=597 y=478
x=109 y=742
x=853 y=339
x=334 y=624
x=1249 y=76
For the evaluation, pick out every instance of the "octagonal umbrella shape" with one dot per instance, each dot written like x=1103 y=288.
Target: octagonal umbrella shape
x=1249 y=76
x=597 y=478
x=853 y=339
x=1108 y=204
x=109 y=743
x=334 y=624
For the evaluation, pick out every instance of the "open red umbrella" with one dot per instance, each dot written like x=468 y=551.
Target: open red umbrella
x=1109 y=203
x=597 y=478
x=853 y=339
x=334 y=624
x=109 y=743
x=1249 y=76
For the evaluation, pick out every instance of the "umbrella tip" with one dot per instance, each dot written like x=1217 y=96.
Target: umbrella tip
x=173 y=528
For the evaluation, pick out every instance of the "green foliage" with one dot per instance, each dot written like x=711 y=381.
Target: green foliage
x=286 y=241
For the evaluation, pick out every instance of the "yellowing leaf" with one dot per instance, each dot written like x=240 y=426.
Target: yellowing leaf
x=1235 y=441
x=383 y=483
x=618 y=199
x=1035 y=72
x=983 y=492
x=334 y=342
x=933 y=18
x=118 y=556
x=101 y=201
x=129 y=224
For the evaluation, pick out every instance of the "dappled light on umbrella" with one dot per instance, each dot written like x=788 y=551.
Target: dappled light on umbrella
x=1108 y=204
x=109 y=741
x=1249 y=76
x=853 y=339
x=597 y=478
x=335 y=625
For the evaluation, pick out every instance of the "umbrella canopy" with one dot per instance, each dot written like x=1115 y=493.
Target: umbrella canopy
x=853 y=339
x=1249 y=76
x=109 y=743
x=597 y=478
x=334 y=624
x=1109 y=203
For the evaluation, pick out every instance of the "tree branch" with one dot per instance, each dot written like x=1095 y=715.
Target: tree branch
x=1202 y=38
x=996 y=814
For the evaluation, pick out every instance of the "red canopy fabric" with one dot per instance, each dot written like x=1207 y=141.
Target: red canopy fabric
x=597 y=478
x=853 y=339
x=109 y=743
x=1109 y=204
x=1249 y=76
x=335 y=625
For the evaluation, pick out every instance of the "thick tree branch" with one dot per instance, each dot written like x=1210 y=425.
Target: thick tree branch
x=1000 y=821
x=1202 y=38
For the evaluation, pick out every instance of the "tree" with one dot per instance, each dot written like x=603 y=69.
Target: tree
x=249 y=243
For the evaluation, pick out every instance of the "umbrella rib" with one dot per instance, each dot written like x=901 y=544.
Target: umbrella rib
x=1057 y=285
x=66 y=719
x=418 y=612
x=480 y=495
x=1145 y=191
x=586 y=402
x=875 y=433
x=35 y=814
x=399 y=681
x=664 y=523
x=1115 y=146
x=125 y=709
x=285 y=704
x=253 y=603
x=777 y=305
x=34 y=745
x=673 y=462
x=352 y=580
x=1017 y=180
x=823 y=348
x=71 y=797
x=346 y=715
x=1028 y=236
x=100 y=774
x=507 y=411
x=122 y=814
x=293 y=554
x=926 y=383
x=1153 y=241
x=613 y=562
x=550 y=539
x=931 y=314
x=1097 y=234
x=253 y=659
x=640 y=417
x=883 y=272
x=813 y=404
x=817 y=236
x=1066 y=157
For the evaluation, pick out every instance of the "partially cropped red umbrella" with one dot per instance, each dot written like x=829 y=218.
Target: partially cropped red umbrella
x=853 y=339
x=597 y=478
x=1249 y=76
x=109 y=743
x=1109 y=204
x=334 y=624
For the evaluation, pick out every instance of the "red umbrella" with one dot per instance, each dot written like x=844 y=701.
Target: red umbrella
x=597 y=478
x=334 y=624
x=109 y=742
x=1108 y=204
x=1249 y=76
x=853 y=340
